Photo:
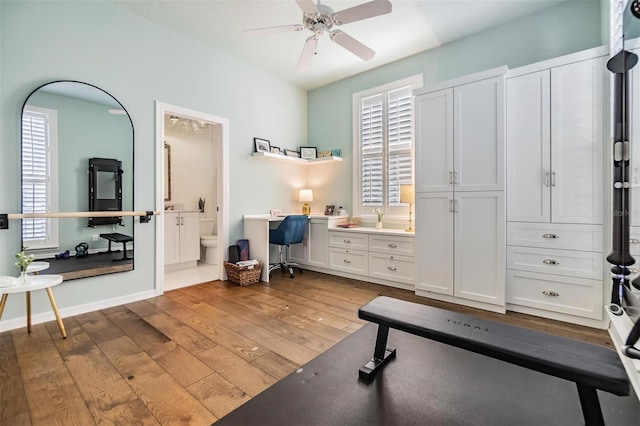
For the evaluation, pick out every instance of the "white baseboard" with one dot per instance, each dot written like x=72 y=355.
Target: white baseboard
x=19 y=322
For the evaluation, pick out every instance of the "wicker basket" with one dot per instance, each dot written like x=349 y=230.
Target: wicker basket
x=241 y=274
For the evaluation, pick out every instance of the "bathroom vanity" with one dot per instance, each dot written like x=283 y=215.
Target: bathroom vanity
x=182 y=239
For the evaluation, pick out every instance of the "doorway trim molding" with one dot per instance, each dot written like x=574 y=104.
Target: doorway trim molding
x=222 y=219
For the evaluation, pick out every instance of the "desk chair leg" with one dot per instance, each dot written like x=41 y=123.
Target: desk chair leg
x=3 y=302
x=28 y=294
x=55 y=311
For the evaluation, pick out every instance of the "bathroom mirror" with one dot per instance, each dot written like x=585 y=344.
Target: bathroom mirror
x=64 y=125
x=167 y=172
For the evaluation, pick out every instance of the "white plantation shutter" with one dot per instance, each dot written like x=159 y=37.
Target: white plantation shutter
x=38 y=177
x=384 y=145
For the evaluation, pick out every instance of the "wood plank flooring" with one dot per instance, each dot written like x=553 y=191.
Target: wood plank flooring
x=192 y=355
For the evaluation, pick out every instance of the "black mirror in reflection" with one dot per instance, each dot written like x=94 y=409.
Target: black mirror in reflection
x=77 y=156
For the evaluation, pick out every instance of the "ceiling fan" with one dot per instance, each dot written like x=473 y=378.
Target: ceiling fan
x=319 y=18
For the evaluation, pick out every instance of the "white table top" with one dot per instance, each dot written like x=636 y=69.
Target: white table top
x=34 y=282
x=37 y=267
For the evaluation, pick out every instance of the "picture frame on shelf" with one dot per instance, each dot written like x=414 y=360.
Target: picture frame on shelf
x=308 y=152
x=262 y=145
x=336 y=152
x=329 y=210
x=275 y=150
x=324 y=154
x=292 y=153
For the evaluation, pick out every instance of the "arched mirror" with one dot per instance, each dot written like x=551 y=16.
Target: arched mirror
x=77 y=153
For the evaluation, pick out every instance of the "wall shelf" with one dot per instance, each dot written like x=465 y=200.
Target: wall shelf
x=305 y=161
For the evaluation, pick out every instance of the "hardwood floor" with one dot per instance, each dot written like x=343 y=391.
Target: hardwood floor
x=192 y=355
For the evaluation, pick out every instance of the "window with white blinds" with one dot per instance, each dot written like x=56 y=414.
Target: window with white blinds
x=383 y=146
x=39 y=176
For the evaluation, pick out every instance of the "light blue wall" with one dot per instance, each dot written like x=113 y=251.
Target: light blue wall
x=570 y=27
x=139 y=63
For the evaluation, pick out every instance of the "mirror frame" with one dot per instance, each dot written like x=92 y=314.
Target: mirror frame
x=120 y=110
x=167 y=172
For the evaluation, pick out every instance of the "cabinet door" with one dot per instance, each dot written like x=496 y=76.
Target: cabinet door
x=434 y=141
x=529 y=148
x=317 y=244
x=434 y=242
x=189 y=237
x=480 y=246
x=299 y=253
x=171 y=238
x=478 y=137
x=577 y=99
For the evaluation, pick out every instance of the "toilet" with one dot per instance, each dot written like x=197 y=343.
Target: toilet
x=208 y=242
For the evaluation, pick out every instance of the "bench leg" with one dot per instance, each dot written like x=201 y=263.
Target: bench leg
x=381 y=355
x=590 y=406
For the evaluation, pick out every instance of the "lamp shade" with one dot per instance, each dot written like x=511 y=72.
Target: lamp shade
x=407 y=194
x=305 y=195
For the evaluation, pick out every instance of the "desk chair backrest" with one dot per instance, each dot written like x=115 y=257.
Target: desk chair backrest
x=290 y=231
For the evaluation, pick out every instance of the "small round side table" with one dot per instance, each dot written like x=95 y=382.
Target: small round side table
x=36 y=282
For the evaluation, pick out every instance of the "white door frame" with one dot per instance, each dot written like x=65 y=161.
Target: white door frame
x=222 y=219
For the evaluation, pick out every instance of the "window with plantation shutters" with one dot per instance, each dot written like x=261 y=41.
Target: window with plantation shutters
x=39 y=177
x=383 y=146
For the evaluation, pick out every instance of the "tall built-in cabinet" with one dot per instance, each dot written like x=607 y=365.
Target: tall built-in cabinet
x=460 y=212
x=556 y=119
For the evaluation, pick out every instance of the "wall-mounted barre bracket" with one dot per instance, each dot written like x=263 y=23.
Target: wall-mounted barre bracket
x=145 y=216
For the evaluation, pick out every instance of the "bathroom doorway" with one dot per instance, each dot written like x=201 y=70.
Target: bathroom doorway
x=192 y=188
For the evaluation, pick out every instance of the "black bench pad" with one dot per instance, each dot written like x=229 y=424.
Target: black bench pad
x=584 y=363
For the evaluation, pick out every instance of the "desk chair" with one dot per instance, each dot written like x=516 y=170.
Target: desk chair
x=290 y=231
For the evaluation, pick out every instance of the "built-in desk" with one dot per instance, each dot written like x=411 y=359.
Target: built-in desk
x=384 y=256
x=256 y=230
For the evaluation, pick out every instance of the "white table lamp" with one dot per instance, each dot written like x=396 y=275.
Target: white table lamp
x=408 y=195
x=305 y=196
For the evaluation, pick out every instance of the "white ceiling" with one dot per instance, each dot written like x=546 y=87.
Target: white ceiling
x=413 y=26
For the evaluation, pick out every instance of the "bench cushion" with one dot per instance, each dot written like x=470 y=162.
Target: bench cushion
x=584 y=363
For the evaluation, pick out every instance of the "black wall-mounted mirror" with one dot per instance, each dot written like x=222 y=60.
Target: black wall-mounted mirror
x=64 y=124
x=105 y=189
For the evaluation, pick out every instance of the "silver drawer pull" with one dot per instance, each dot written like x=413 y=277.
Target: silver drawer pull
x=393 y=245
x=551 y=293
x=634 y=241
x=553 y=236
x=347 y=241
x=550 y=262
x=392 y=268
x=346 y=261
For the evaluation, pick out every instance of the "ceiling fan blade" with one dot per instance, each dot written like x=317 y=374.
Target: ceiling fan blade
x=277 y=29
x=352 y=45
x=362 y=11
x=308 y=51
x=307 y=7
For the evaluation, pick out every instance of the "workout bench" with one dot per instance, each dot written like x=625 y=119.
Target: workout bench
x=590 y=366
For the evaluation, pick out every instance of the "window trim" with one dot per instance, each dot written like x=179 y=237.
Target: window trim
x=52 y=240
x=417 y=82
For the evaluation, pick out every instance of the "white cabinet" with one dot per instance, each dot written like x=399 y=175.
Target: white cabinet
x=460 y=216
x=461 y=137
x=460 y=243
x=313 y=250
x=181 y=237
x=555 y=137
x=384 y=255
x=555 y=156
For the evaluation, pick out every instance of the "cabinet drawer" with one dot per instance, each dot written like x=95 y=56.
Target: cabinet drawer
x=353 y=261
x=349 y=240
x=391 y=244
x=554 y=235
x=567 y=295
x=391 y=267
x=583 y=264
